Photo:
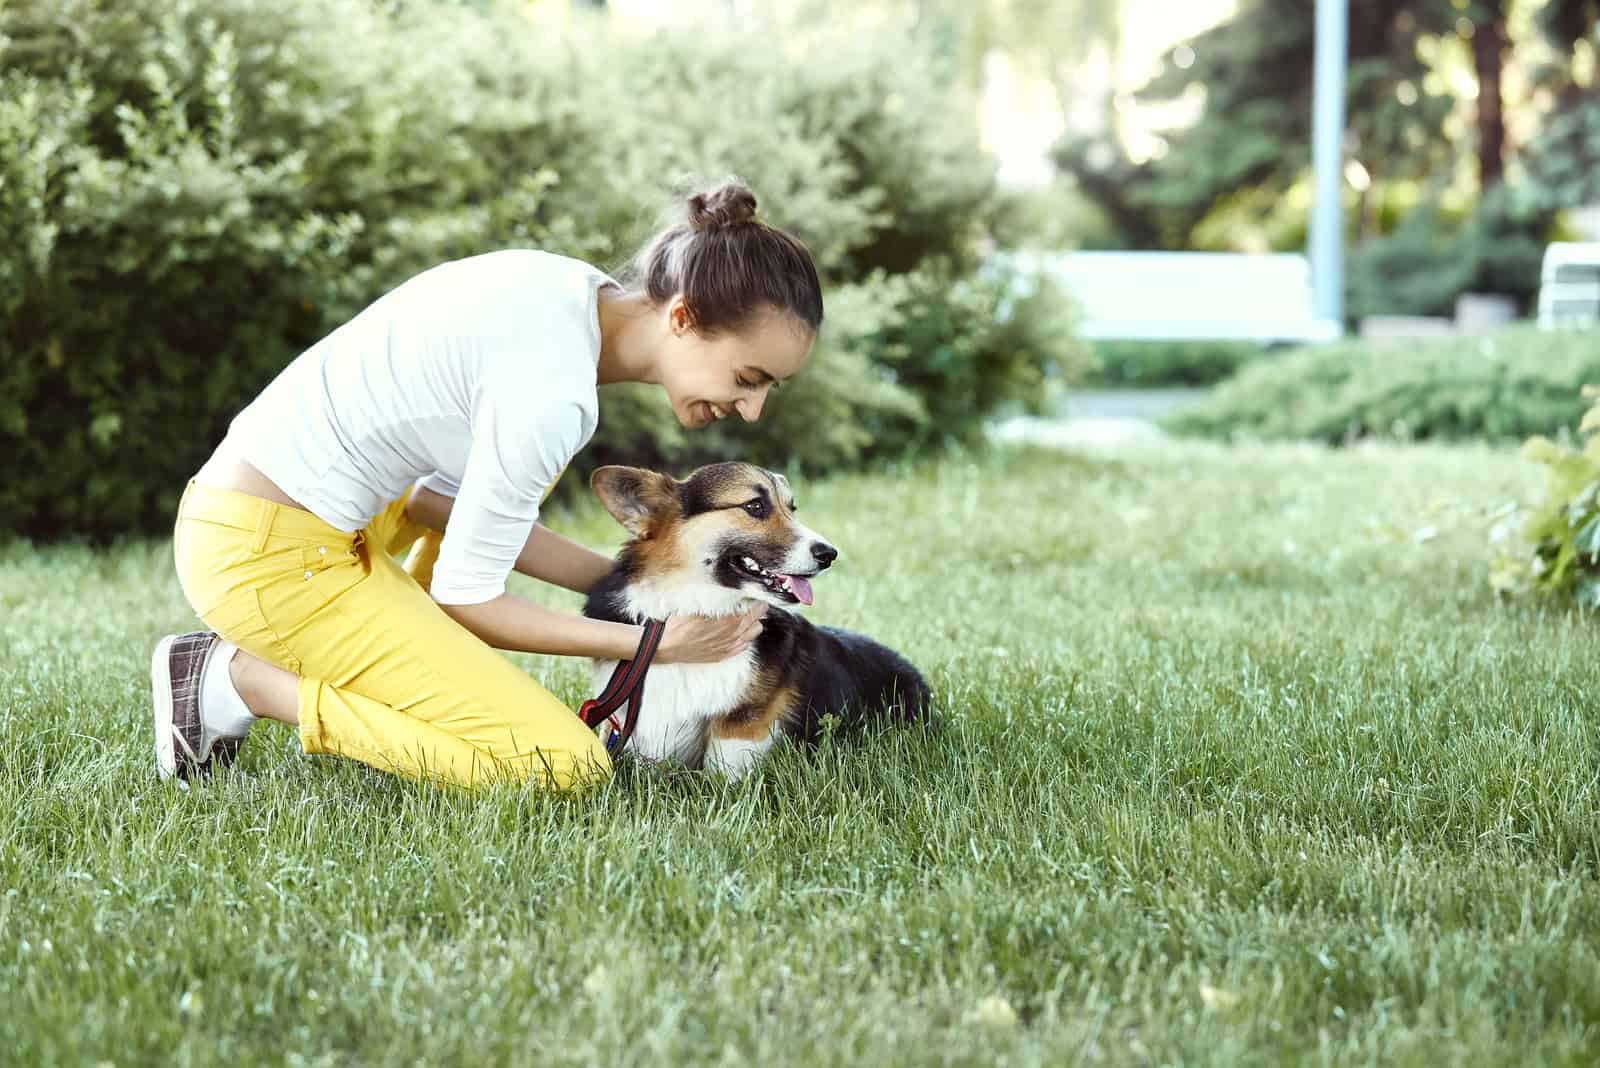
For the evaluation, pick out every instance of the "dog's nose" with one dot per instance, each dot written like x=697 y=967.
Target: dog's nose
x=824 y=554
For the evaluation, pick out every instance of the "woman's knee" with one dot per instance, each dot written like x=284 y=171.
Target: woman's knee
x=575 y=767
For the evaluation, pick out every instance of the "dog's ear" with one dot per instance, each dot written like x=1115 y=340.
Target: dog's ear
x=634 y=496
x=783 y=486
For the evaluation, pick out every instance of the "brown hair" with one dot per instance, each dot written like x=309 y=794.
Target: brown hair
x=728 y=264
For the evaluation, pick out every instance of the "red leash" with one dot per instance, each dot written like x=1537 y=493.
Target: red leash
x=627 y=684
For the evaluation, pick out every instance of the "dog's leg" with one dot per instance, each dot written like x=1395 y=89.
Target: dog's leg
x=735 y=757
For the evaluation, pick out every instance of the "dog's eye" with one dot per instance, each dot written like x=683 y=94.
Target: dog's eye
x=757 y=508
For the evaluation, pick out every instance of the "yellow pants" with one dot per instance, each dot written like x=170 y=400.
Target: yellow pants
x=386 y=677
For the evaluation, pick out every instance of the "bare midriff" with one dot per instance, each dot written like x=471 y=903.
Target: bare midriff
x=227 y=471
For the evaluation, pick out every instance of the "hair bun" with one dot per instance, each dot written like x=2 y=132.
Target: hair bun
x=729 y=204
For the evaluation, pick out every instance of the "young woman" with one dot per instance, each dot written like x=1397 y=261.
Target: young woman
x=453 y=403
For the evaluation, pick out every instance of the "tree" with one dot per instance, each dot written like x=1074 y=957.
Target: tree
x=1254 y=130
x=1490 y=41
x=1562 y=160
x=1046 y=38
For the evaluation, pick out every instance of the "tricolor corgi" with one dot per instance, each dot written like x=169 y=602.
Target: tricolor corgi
x=709 y=545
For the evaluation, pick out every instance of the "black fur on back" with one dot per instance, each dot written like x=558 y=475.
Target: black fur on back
x=832 y=671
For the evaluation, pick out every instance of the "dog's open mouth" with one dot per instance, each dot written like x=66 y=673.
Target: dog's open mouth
x=794 y=588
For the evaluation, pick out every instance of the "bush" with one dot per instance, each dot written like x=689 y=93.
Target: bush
x=1562 y=159
x=1563 y=531
x=197 y=190
x=212 y=188
x=1429 y=261
x=1506 y=385
x=1170 y=363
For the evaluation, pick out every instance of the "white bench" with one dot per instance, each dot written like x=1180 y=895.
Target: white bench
x=1569 y=283
x=1188 y=296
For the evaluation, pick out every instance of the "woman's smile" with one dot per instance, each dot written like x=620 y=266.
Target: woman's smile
x=706 y=413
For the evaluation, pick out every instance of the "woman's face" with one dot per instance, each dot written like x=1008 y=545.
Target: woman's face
x=711 y=378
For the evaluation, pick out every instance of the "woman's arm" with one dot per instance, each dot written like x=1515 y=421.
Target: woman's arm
x=553 y=558
x=547 y=556
x=516 y=623
x=521 y=625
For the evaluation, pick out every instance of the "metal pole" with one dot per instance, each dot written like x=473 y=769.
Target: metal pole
x=1327 y=160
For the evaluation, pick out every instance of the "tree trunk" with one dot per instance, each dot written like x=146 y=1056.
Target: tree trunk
x=1489 y=41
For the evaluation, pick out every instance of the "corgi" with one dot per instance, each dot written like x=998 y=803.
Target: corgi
x=709 y=545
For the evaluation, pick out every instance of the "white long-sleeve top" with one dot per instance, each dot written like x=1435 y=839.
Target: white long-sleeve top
x=477 y=377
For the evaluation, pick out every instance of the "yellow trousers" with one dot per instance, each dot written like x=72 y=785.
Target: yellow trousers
x=386 y=677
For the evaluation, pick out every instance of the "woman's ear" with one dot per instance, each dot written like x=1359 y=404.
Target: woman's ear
x=635 y=497
x=678 y=318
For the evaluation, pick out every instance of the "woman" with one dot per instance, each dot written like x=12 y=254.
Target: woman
x=453 y=403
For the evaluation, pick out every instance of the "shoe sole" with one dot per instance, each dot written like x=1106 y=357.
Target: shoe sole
x=167 y=765
x=161 y=695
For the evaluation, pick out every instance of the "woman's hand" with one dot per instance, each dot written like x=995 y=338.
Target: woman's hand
x=707 y=639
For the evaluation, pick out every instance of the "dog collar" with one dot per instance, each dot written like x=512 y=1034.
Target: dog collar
x=626 y=685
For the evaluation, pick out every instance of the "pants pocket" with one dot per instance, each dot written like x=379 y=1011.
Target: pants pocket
x=239 y=619
x=295 y=600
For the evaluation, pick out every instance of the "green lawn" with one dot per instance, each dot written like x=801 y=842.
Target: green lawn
x=1243 y=764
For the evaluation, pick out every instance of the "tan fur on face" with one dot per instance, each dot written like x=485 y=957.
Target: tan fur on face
x=640 y=500
x=684 y=531
x=663 y=552
x=736 y=484
x=748 y=482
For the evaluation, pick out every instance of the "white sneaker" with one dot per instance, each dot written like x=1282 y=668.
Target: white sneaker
x=185 y=747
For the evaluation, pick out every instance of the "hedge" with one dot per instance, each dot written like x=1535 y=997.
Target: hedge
x=1503 y=386
x=200 y=190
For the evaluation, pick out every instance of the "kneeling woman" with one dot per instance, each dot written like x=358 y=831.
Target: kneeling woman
x=453 y=403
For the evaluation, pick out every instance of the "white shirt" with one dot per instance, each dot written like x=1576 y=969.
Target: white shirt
x=477 y=377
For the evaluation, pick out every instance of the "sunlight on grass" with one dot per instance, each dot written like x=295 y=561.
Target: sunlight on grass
x=1239 y=761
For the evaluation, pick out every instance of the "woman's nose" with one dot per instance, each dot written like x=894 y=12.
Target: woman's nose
x=750 y=408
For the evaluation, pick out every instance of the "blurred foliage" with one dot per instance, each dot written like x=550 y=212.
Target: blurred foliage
x=196 y=190
x=1046 y=39
x=1562 y=532
x=1430 y=258
x=1255 y=126
x=1501 y=386
x=1051 y=217
x=1171 y=363
x=1563 y=159
x=1417 y=68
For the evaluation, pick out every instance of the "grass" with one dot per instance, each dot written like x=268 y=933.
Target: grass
x=1242 y=764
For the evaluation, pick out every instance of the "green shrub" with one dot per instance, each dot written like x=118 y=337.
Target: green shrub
x=1430 y=260
x=1562 y=158
x=1053 y=217
x=196 y=190
x=1170 y=363
x=214 y=187
x=1563 y=531
x=1505 y=385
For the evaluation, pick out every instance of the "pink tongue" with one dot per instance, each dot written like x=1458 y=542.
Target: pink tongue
x=799 y=587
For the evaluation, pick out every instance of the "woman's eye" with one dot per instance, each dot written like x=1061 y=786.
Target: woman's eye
x=744 y=384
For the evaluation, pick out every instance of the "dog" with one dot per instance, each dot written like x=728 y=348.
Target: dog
x=709 y=545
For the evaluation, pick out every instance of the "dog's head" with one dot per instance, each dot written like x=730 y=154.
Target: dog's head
x=725 y=533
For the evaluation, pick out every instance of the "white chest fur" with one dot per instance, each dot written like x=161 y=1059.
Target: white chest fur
x=681 y=699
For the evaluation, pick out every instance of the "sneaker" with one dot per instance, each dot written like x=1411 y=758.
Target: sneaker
x=184 y=748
